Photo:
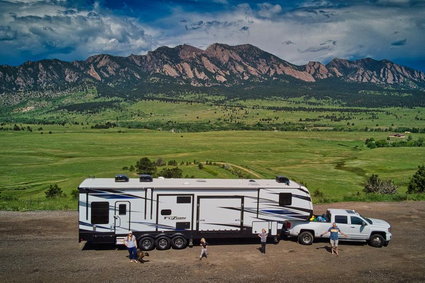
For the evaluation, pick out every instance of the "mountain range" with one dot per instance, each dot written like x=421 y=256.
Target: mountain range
x=219 y=67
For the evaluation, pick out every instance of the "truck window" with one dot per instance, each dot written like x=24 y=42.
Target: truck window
x=285 y=199
x=341 y=219
x=166 y=212
x=100 y=212
x=356 y=220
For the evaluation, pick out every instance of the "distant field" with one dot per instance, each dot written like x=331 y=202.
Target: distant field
x=198 y=112
x=335 y=164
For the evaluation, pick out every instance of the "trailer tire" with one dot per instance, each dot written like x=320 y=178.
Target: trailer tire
x=305 y=238
x=179 y=242
x=163 y=243
x=376 y=241
x=146 y=243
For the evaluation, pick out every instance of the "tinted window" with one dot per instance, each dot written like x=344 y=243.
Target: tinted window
x=356 y=221
x=122 y=209
x=166 y=212
x=182 y=225
x=341 y=219
x=184 y=199
x=285 y=199
x=100 y=212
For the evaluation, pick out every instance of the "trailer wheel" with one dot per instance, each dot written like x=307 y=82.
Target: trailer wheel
x=146 y=243
x=178 y=242
x=163 y=243
x=376 y=241
x=305 y=238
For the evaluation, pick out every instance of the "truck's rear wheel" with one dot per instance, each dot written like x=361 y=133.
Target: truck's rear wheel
x=305 y=238
x=163 y=243
x=146 y=243
x=178 y=242
x=376 y=241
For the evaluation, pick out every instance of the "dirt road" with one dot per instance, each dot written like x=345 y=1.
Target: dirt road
x=43 y=247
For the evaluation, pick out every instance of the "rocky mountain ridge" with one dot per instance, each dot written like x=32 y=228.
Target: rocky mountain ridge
x=219 y=65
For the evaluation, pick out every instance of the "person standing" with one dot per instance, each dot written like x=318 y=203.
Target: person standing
x=131 y=244
x=334 y=233
x=263 y=235
x=204 y=249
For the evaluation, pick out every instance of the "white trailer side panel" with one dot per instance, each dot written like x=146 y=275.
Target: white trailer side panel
x=175 y=212
x=220 y=213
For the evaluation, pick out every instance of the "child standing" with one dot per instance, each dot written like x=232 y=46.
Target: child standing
x=204 y=249
x=263 y=235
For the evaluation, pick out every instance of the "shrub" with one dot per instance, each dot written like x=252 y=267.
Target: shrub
x=318 y=194
x=171 y=172
x=375 y=185
x=75 y=193
x=146 y=166
x=417 y=182
x=54 y=191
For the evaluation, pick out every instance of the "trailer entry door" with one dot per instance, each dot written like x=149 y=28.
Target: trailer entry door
x=122 y=217
x=220 y=213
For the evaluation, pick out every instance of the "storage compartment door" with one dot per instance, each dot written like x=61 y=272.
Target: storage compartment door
x=220 y=213
x=174 y=212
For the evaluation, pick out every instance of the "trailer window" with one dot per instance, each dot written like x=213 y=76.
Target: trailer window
x=285 y=199
x=122 y=209
x=166 y=212
x=100 y=212
x=341 y=219
x=184 y=199
x=182 y=225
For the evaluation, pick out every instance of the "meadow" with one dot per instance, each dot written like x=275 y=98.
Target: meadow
x=333 y=165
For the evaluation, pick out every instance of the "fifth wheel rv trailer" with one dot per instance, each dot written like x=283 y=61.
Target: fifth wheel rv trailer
x=175 y=212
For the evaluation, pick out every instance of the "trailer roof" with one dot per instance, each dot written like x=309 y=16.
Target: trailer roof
x=165 y=183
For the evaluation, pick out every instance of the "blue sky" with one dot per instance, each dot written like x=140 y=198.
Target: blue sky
x=296 y=31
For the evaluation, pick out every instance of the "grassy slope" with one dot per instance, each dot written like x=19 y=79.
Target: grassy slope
x=253 y=111
x=335 y=163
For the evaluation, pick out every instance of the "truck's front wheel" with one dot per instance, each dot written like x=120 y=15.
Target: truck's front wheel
x=305 y=238
x=376 y=241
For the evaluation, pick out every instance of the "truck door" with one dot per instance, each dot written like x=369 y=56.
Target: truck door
x=122 y=217
x=174 y=212
x=358 y=228
x=217 y=213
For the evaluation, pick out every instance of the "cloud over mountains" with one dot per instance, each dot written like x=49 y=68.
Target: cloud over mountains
x=299 y=31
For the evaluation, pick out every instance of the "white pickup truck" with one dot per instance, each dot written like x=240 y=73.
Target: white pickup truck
x=358 y=228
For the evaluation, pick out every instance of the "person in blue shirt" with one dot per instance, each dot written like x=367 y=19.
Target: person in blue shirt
x=334 y=233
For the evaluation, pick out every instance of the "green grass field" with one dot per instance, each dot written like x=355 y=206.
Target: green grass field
x=208 y=112
x=333 y=163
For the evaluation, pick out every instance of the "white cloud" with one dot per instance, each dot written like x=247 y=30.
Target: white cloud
x=309 y=34
x=267 y=10
x=55 y=31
